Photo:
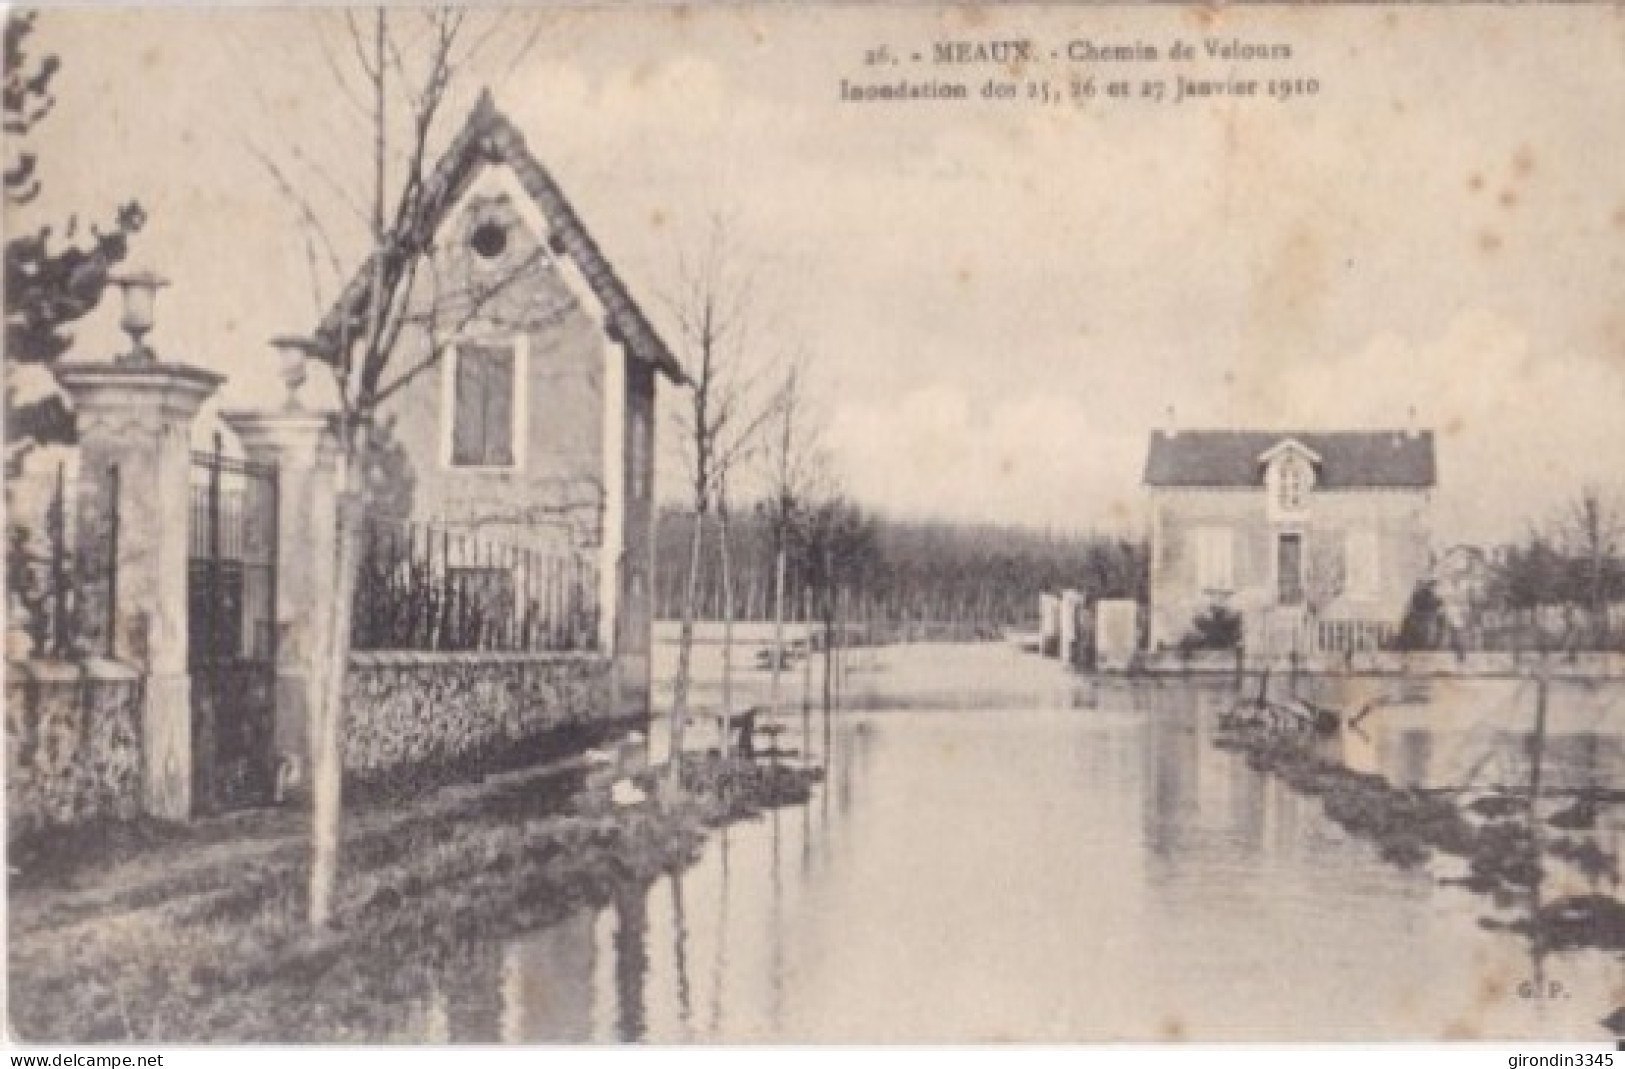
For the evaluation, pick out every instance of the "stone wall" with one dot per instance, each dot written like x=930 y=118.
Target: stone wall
x=1429 y=663
x=73 y=744
x=416 y=717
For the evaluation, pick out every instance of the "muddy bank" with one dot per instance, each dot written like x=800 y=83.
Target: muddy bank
x=1510 y=850
x=1492 y=834
x=726 y=791
x=217 y=950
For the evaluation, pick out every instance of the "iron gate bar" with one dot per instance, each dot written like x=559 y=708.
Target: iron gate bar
x=62 y=635
x=233 y=572
x=274 y=534
x=214 y=552
x=112 y=561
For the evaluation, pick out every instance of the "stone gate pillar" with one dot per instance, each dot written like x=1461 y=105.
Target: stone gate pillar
x=304 y=447
x=140 y=418
x=1071 y=606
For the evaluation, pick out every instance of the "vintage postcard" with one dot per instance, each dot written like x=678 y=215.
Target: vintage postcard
x=815 y=523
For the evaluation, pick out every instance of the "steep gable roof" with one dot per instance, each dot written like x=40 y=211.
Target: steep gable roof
x=489 y=137
x=1348 y=459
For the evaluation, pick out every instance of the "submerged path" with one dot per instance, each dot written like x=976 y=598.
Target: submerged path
x=1072 y=860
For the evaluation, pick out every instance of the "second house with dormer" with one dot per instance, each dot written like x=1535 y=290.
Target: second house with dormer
x=1315 y=538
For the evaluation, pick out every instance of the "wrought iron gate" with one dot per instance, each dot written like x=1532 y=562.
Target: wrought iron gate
x=231 y=601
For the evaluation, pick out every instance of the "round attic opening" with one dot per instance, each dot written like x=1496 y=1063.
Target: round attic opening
x=489 y=239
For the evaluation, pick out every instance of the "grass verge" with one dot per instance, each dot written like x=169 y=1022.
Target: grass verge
x=217 y=950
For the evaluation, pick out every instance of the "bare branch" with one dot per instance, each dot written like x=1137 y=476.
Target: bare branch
x=349 y=92
x=523 y=50
x=744 y=445
x=478 y=43
x=302 y=205
x=404 y=240
x=315 y=276
x=414 y=95
x=469 y=312
x=339 y=190
x=359 y=48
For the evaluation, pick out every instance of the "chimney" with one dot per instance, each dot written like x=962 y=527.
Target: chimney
x=1173 y=423
x=1411 y=429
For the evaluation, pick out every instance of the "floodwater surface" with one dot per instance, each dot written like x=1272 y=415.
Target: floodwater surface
x=1080 y=865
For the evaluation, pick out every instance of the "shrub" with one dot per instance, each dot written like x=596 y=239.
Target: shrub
x=1215 y=628
x=1421 y=628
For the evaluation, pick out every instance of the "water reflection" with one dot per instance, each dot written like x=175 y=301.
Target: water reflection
x=679 y=930
x=547 y=983
x=1448 y=733
x=720 y=960
x=1058 y=873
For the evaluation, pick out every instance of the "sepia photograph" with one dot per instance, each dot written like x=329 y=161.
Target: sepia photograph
x=801 y=523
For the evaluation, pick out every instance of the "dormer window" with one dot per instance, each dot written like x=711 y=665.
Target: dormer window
x=1292 y=485
x=1289 y=479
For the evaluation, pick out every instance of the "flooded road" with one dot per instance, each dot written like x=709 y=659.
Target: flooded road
x=1081 y=864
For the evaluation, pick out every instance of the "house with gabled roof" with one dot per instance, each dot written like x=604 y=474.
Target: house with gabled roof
x=525 y=417
x=1316 y=539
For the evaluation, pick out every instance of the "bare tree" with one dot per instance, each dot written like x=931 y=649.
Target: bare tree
x=401 y=69
x=718 y=427
x=795 y=468
x=1593 y=530
x=836 y=546
x=725 y=549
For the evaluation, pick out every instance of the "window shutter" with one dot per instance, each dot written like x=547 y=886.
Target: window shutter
x=1361 y=561
x=1214 y=559
x=482 y=424
x=468 y=410
x=499 y=391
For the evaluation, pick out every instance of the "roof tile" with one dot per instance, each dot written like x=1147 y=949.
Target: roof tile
x=1349 y=459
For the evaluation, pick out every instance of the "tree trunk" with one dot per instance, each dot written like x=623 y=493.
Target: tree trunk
x=327 y=737
x=806 y=682
x=327 y=740
x=1598 y=606
x=1537 y=740
x=840 y=647
x=685 y=650
x=829 y=655
x=778 y=629
x=727 y=635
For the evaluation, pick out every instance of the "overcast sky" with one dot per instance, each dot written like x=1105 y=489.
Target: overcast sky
x=1001 y=301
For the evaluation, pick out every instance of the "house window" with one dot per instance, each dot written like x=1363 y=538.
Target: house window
x=1215 y=565
x=489 y=240
x=486 y=391
x=1289 y=569
x=1361 y=563
x=490 y=228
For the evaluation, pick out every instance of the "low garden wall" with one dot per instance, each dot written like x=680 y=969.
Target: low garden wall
x=73 y=744
x=413 y=718
x=1589 y=665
